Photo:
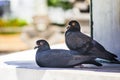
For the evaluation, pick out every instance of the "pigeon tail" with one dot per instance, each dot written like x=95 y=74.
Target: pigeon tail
x=115 y=62
x=110 y=57
x=112 y=54
x=104 y=55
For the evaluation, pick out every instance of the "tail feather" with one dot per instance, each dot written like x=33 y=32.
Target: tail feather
x=99 y=47
x=115 y=62
x=111 y=57
x=107 y=61
x=112 y=54
x=105 y=55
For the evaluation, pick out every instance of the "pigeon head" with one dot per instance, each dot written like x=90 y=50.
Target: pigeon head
x=42 y=44
x=73 y=25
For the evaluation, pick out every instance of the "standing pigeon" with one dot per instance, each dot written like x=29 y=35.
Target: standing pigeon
x=46 y=57
x=76 y=40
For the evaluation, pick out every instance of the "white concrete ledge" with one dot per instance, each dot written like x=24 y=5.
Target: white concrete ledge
x=22 y=66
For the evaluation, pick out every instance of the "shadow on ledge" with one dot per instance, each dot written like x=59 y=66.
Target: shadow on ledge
x=32 y=65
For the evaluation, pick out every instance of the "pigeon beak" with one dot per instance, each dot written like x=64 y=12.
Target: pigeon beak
x=35 y=47
x=68 y=27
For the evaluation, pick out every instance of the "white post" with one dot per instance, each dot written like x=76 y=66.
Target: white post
x=106 y=27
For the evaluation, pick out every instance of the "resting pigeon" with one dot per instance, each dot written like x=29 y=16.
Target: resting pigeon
x=76 y=40
x=46 y=57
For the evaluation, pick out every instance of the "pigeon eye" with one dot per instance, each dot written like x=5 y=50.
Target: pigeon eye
x=73 y=24
x=41 y=43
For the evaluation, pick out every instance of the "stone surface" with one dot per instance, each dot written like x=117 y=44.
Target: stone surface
x=22 y=66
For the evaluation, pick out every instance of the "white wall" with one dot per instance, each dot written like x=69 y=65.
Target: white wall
x=26 y=9
x=106 y=27
x=22 y=9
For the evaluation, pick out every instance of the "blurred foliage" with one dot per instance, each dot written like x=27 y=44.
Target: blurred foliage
x=8 y=33
x=65 y=4
x=12 y=22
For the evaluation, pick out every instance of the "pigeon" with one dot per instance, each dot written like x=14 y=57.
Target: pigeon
x=60 y=58
x=78 y=41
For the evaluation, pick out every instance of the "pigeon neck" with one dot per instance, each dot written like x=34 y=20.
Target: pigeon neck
x=74 y=30
x=43 y=48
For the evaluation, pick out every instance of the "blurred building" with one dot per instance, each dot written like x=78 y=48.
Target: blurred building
x=4 y=8
x=26 y=9
x=46 y=18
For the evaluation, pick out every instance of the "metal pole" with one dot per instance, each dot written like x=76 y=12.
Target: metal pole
x=91 y=19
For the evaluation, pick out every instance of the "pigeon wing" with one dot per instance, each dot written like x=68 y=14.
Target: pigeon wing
x=80 y=59
x=77 y=40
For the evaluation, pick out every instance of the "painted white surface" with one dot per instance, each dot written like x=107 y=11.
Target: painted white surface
x=22 y=66
x=106 y=27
